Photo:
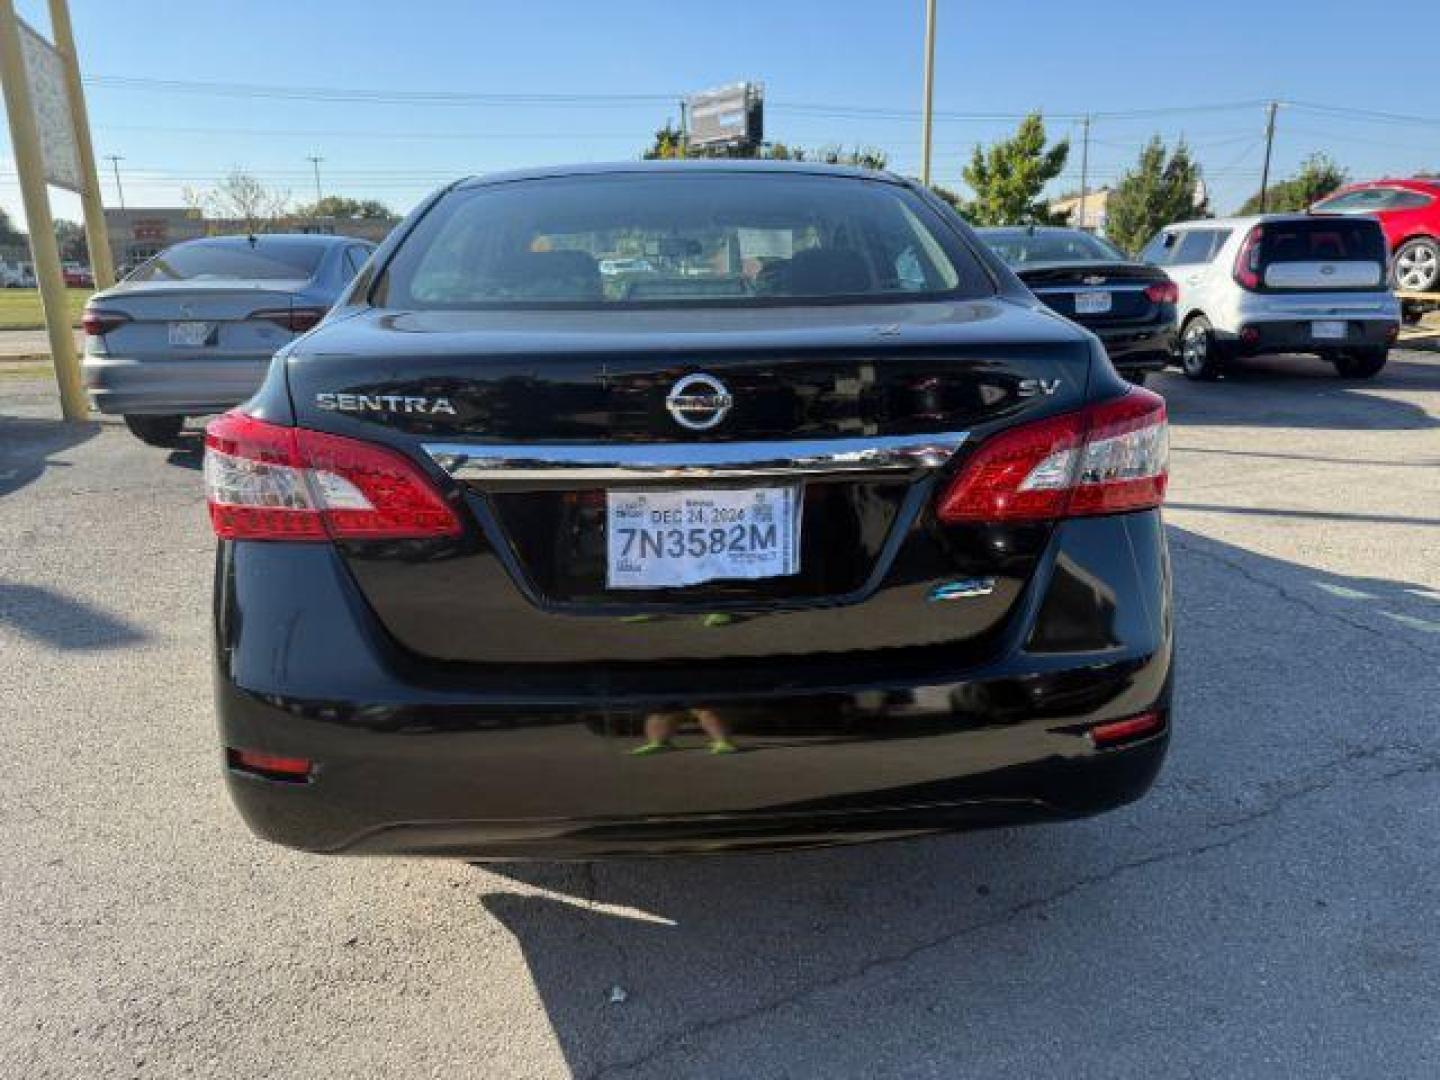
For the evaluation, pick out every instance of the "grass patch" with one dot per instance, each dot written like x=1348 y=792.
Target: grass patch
x=20 y=308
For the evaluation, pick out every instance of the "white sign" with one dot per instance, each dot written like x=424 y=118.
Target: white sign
x=766 y=243
x=59 y=151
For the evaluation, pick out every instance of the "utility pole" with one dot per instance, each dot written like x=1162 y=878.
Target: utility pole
x=115 y=160
x=684 y=128
x=315 y=161
x=1084 y=168
x=929 y=92
x=1269 y=142
x=97 y=236
x=25 y=140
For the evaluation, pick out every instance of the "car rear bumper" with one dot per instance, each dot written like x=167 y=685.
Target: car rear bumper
x=187 y=387
x=421 y=759
x=1298 y=335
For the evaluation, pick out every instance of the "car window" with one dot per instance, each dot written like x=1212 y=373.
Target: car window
x=355 y=257
x=1376 y=198
x=1020 y=247
x=1161 y=249
x=211 y=260
x=642 y=238
x=1322 y=240
x=1195 y=246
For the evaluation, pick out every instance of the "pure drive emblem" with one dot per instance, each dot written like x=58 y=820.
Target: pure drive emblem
x=699 y=401
x=385 y=403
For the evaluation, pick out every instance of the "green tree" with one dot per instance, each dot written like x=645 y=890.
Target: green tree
x=70 y=239
x=1010 y=176
x=1319 y=175
x=9 y=235
x=669 y=143
x=339 y=206
x=1161 y=189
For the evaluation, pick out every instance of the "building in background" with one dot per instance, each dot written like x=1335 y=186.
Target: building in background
x=1096 y=204
x=137 y=234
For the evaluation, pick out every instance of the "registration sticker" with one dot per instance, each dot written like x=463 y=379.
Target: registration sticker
x=665 y=539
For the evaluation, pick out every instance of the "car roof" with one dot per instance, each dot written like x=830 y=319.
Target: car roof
x=671 y=165
x=1429 y=185
x=276 y=240
x=1243 y=222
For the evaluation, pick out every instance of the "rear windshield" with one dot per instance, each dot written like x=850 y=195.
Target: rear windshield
x=697 y=239
x=264 y=260
x=1325 y=240
x=1020 y=248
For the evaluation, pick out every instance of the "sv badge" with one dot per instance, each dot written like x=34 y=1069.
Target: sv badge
x=1031 y=387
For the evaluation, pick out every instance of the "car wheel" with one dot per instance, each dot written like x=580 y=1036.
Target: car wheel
x=1360 y=363
x=155 y=430
x=1417 y=265
x=1199 y=354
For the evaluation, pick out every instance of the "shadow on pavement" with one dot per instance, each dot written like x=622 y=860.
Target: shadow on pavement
x=62 y=622
x=26 y=446
x=1282 y=391
x=702 y=947
x=189 y=452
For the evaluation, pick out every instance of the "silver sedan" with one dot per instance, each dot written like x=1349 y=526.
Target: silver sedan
x=192 y=330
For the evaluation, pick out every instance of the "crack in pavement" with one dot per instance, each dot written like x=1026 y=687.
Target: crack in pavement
x=898 y=959
x=1294 y=598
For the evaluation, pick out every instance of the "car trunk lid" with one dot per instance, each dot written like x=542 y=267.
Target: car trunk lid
x=541 y=419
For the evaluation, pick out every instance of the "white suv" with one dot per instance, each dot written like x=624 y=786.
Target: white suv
x=1279 y=283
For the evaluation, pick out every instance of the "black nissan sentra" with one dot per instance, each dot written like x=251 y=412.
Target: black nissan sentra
x=799 y=522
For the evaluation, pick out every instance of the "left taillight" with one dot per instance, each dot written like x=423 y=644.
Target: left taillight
x=1107 y=458
x=97 y=321
x=267 y=482
x=297 y=319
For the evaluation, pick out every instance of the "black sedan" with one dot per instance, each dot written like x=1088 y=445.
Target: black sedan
x=802 y=523
x=1129 y=305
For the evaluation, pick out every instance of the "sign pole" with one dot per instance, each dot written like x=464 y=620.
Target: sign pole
x=97 y=237
x=929 y=92
x=43 y=249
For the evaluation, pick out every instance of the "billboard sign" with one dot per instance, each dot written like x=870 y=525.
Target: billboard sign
x=727 y=116
x=45 y=76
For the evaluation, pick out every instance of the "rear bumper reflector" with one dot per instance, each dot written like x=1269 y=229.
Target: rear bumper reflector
x=1127 y=730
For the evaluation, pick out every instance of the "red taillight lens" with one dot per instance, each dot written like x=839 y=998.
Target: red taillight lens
x=296 y=320
x=266 y=482
x=1162 y=292
x=1109 y=457
x=96 y=321
x=1247 y=260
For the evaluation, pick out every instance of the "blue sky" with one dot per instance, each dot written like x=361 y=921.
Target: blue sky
x=1063 y=58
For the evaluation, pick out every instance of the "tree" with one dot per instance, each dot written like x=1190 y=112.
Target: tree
x=70 y=239
x=1162 y=188
x=242 y=198
x=339 y=206
x=670 y=144
x=1319 y=175
x=9 y=235
x=1008 y=178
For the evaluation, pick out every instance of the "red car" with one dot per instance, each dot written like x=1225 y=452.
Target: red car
x=1409 y=214
x=78 y=277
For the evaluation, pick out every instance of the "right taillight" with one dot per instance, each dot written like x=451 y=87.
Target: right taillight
x=297 y=320
x=267 y=482
x=1106 y=458
x=1162 y=292
x=1247 y=260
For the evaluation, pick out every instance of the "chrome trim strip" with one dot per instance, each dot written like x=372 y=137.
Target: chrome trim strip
x=615 y=462
x=1127 y=287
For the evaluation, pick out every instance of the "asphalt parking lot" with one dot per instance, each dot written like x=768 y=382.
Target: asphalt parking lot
x=1270 y=910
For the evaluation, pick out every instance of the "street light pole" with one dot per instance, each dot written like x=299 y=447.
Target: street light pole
x=1084 y=168
x=1269 y=142
x=115 y=160
x=315 y=161
x=929 y=92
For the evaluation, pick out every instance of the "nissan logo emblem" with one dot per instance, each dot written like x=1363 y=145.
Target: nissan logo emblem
x=699 y=401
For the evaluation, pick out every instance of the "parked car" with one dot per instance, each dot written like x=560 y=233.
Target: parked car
x=860 y=542
x=1128 y=304
x=1279 y=283
x=1409 y=215
x=77 y=276
x=191 y=331
x=17 y=275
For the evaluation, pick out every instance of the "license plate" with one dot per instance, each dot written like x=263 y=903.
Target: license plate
x=190 y=335
x=1092 y=303
x=666 y=539
x=1327 y=331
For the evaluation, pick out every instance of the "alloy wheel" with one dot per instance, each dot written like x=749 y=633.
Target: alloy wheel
x=1417 y=268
